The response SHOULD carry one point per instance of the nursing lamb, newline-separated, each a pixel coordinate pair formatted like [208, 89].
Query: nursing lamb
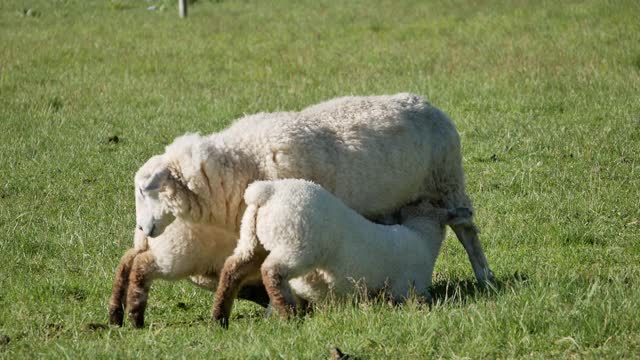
[293, 228]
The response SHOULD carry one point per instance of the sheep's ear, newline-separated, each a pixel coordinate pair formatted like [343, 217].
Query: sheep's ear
[157, 180]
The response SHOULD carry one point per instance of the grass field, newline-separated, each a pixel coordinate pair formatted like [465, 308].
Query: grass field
[545, 94]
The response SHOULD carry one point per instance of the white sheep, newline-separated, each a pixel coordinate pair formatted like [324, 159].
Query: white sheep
[293, 228]
[375, 153]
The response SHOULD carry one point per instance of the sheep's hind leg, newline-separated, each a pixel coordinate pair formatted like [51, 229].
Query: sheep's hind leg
[275, 277]
[468, 235]
[467, 232]
[143, 271]
[117, 302]
[236, 272]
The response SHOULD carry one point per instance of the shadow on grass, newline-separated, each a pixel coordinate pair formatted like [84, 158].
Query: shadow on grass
[459, 291]
[444, 292]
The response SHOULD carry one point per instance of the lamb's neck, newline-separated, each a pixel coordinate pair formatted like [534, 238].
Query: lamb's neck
[375, 240]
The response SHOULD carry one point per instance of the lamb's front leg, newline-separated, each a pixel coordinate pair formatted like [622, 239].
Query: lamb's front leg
[117, 302]
[237, 271]
[143, 271]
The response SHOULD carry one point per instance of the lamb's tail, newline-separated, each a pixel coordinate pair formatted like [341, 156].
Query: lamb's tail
[258, 193]
[248, 243]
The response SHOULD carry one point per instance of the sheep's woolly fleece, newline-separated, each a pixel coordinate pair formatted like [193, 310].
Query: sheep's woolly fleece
[374, 153]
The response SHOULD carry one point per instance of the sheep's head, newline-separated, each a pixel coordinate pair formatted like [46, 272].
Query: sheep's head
[176, 185]
[153, 215]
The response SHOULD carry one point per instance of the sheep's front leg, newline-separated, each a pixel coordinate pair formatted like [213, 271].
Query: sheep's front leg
[120, 284]
[143, 270]
[467, 233]
[275, 277]
[236, 272]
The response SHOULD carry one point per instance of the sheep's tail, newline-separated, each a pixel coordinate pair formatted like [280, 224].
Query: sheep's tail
[460, 215]
[258, 193]
[447, 216]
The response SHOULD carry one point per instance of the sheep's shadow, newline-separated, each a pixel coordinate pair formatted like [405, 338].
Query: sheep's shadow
[460, 290]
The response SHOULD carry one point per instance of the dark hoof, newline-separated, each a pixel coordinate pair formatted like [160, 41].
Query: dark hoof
[137, 319]
[221, 319]
[487, 282]
[224, 322]
[116, 317]
[267, 312]
[337, 354]
[427, 300]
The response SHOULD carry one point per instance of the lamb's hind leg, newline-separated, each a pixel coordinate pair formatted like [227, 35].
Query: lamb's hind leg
[143, 271]
[237, 271]
[275, 276]
[120, 284]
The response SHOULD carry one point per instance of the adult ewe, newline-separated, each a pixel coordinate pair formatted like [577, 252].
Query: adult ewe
[294, 229]
[375, 153]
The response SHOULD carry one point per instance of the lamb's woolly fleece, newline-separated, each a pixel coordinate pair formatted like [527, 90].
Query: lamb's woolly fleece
[307, 229]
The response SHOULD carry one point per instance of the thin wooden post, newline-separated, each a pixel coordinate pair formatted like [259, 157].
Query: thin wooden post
[182, 7]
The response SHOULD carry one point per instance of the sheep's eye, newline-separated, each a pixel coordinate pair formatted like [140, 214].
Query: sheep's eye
[140, 191]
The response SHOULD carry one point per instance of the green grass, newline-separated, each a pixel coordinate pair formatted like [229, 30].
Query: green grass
[546, 96]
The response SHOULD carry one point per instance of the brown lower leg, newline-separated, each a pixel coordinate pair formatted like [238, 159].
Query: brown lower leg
[279, 291]
[235, 272]
[142, 272]
[120, 285]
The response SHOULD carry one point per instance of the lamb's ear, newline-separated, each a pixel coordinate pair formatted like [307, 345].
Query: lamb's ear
[461, 215]
[157, 180]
